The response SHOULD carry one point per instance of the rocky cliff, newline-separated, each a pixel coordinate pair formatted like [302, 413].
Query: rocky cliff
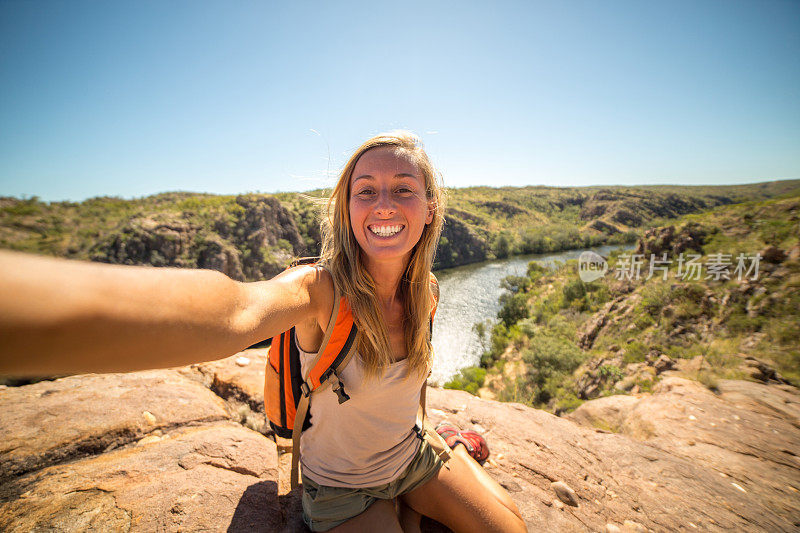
[254, 239]
[187, 449]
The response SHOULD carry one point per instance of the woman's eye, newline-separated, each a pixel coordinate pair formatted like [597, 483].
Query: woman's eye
[366, 192]
[404, 190]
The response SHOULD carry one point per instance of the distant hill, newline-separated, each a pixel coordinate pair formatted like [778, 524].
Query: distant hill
[254, 236]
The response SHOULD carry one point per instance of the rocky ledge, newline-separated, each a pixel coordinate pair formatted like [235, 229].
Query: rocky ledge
[187, 449]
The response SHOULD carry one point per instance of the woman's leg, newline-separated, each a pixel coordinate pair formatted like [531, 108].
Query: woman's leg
[380, 516]
[466, 498]
[409, 518]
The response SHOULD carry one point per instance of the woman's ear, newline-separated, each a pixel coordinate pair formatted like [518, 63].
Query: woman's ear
[431, 211]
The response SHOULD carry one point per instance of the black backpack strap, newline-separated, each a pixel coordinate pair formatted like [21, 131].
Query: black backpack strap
[304, 261]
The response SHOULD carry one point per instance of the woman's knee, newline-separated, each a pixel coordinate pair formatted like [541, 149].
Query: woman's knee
[465, 496]
[488, 481]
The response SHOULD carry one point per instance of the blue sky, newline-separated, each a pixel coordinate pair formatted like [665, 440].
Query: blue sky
[135, 98]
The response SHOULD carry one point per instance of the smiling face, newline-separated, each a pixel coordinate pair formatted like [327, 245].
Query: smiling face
[388, 205]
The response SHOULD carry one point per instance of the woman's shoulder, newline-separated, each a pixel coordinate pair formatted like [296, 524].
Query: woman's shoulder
[312, 289]
[312, 277]
[319, 283]
[311, 283]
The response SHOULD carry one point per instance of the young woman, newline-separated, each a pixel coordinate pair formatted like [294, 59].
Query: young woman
[359, 458]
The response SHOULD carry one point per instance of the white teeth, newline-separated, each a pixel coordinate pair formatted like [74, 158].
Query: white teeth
[385, 231]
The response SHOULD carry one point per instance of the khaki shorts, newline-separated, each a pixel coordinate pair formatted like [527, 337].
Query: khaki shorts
[327, 507]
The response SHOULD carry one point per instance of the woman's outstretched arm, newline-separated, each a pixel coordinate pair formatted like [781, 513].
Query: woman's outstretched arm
[65, 316]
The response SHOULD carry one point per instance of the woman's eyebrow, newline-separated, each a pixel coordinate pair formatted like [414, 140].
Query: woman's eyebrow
[396, 176]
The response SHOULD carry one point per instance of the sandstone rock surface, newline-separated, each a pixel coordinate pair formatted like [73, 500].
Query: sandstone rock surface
[195, 478]
[239, 380]
[53, 421]
[191, 466]
[748, 435]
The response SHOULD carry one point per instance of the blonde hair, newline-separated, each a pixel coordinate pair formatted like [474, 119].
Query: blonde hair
[341, 254]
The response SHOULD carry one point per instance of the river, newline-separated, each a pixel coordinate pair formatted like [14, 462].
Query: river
[470, 294]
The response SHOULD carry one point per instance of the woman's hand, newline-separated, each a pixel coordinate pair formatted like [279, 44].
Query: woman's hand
[64, 316]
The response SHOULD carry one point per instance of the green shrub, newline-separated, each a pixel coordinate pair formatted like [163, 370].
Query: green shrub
[515, 308]
[567, 402]
[774, 232]
[26, 207]
[783, 330]
[515, 284]
[738, 324]
[690, 292]
[574, 290]
[469, 379]
[549, 354]
[536, 270]
[550, 361]
[544, 309]
[285, 245]
[645, 385]
[643, 321]
[687, 309]
[655, 296]
[501, 337]
[634, 352]
[560, 325]
[611, 373]
[482, 330]
[501, 245]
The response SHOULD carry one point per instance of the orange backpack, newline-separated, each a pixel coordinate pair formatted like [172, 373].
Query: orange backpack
[287, 392]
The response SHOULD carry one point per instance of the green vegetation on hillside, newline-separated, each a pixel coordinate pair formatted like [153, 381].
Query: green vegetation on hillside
[537, 219]
[253, 236]
[248, 237]
[560, 340]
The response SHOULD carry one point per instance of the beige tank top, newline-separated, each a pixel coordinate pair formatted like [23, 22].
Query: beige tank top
[367, 440]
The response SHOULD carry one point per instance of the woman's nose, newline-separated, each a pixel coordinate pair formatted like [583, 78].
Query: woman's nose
[385, 205]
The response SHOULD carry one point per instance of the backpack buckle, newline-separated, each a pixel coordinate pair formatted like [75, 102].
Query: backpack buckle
[339, 390]
[418, 431]
[305, 388]
[338, 386]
